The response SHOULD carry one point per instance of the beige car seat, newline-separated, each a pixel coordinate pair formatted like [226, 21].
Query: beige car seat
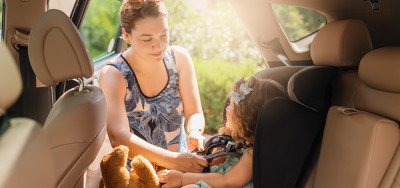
[25, 158]
[359, 143]
[339, 44]
[75, 126]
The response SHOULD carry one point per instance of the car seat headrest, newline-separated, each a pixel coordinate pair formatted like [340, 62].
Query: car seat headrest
[305, 89]
[379, 91]
[56, 49]
[10, 79]
[341, 43]
[379, 69]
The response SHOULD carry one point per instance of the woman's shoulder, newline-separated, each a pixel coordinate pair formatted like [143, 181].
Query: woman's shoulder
[179, 51]
[111, 75]
[182, 56]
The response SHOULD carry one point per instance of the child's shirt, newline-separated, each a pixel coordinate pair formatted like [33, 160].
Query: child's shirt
[230, 161]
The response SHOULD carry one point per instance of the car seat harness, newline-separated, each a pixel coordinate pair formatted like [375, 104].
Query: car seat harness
[228, 145]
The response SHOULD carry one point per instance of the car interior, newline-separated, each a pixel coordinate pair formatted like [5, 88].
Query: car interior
[338, 127]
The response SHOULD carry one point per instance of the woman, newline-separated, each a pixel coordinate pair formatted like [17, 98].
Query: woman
[151, 89]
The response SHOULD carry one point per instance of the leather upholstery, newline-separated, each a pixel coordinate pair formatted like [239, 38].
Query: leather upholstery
[57, 51]
[341, 44]
[379, 69]
[392, 176]
[25, 158]
[75, 126]
[76, 122]
[10, 82]
[358, 146]
[356, 150]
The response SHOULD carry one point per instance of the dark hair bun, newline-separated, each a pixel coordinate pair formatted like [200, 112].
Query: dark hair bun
[135, 4]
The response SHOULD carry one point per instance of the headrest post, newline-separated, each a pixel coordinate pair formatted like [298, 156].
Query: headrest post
[81, 88]
[81, 84]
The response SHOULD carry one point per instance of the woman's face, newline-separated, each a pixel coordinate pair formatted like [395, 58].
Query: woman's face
[149, 39]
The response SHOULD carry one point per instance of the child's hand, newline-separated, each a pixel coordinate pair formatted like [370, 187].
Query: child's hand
[171, 178]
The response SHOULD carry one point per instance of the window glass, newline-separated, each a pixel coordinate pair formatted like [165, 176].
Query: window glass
[100, 26]
[298, 22]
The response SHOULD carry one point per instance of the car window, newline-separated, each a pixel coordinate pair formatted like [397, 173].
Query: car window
[100, 26]
[298, 22]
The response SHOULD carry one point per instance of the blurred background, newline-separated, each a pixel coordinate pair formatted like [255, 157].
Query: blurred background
[210, 30]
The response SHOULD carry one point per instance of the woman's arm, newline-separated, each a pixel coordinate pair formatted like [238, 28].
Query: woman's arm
[239, 175]
[189, 92]
[113, 85]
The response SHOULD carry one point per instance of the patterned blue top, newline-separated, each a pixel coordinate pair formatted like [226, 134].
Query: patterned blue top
[159, 119]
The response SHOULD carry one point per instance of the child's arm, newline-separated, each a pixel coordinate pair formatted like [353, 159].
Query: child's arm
[239, 175]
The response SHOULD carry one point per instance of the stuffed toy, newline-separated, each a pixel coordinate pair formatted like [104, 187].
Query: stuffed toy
[115, 174]
[144, 174]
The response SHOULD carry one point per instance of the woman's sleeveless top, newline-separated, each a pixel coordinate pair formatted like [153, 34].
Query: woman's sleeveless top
[158, 120]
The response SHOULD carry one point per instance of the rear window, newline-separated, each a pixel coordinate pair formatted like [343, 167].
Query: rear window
[298, 22]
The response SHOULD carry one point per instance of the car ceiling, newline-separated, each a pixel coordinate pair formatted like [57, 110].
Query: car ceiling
[383, 24]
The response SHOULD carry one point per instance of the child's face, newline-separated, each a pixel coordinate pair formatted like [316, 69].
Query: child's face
[229, 115]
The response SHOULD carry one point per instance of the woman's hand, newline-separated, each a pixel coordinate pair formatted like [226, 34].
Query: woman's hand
[195, 140]
[171, 178]
[187, 162]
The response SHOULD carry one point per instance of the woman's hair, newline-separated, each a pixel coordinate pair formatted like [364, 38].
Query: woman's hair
[133, 10]
[246, 112]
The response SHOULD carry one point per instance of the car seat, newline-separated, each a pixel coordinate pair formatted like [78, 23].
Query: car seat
[75, 126]
[359, 143]
[25, 158]
[289, 130]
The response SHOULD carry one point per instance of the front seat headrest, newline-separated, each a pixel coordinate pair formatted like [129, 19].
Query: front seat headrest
[56, 49]
[10, 81]
[341, 43]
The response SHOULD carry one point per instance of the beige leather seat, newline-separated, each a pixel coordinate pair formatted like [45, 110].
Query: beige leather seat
[25, 159]
[75, 126]
[359, 143]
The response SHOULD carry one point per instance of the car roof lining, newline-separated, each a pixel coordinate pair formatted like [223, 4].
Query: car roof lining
[382, 24]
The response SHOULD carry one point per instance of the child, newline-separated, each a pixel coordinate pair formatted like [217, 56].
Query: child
[241, 119]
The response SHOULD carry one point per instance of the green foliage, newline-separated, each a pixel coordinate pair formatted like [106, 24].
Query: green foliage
[100, 25]
[215, 78]
[298, 22]
[221, 49]
[215, 32]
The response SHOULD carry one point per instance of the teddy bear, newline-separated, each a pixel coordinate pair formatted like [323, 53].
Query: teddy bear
[115, 174]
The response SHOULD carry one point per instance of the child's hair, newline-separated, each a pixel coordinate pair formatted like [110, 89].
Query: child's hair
[246, 112]
[133, 10]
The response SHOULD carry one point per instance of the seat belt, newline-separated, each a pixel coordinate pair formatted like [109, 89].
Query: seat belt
[34, 102]
[277, 48]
